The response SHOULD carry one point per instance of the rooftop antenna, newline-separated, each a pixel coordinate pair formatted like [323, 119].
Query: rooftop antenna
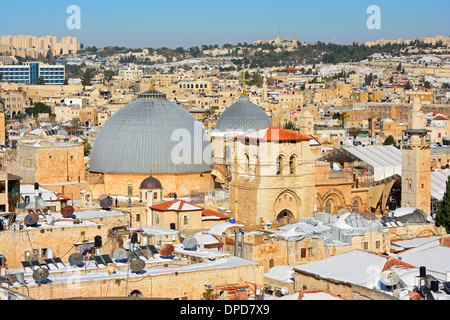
[284, 32]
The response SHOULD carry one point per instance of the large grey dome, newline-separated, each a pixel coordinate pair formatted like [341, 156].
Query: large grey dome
[148, 136]
[242, 116]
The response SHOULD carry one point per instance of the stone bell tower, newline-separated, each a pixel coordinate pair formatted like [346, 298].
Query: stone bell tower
[416, 172]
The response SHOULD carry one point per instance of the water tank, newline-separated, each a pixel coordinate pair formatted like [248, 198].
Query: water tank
[98, 242]
[134, 237]
[434, 286]
[422, 272]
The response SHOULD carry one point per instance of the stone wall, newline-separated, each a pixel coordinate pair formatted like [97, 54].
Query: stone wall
[174, 285]
[14, 243]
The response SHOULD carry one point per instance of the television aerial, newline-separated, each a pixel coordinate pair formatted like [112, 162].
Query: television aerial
[67, 211]
[190, 243]
[75, 259]
[40, 275]
[31, 219]
[389, 278]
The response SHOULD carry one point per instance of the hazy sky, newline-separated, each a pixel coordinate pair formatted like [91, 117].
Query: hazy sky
[175, 23]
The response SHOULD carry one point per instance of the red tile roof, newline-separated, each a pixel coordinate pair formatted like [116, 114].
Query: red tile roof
[209, 213]
[274, 134]
[176, 205]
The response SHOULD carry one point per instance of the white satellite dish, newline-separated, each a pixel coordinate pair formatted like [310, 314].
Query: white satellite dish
[120, 254]
[389, 278]
[190, 242]
[127, 244]
[284, 291]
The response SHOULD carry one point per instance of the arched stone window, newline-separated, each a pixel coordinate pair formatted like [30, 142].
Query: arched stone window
[355, 206]
[329, 206]
[271, 263]
[292, 164]
[280, 164]
[247, 163]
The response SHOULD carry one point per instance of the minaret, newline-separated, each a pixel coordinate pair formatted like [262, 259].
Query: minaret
[264, 90]
[416, 172]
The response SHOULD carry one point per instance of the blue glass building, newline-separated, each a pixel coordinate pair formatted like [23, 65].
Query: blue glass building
[30, 72]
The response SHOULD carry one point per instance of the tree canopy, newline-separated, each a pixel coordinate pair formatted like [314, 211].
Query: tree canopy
[443, 214]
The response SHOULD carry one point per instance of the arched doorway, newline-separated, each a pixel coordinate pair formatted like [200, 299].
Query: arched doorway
[285, 216]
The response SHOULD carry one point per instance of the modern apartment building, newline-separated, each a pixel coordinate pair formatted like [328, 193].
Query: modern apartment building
[30, 72]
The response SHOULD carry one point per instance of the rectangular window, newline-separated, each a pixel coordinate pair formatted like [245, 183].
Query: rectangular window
[2, 186]
[366, 245]
[303, 253]
[377, 244]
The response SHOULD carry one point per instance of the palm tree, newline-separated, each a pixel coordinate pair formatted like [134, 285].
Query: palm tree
[210, 112]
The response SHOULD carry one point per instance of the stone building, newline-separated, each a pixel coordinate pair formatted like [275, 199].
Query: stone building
[273, 176]
[46, 162]
[416, 176]
[150, 136]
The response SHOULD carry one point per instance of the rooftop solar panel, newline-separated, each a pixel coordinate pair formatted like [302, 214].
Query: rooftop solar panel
[26, 264]
[107, 258]
[35, 263]
[98, 260]
[152, 249]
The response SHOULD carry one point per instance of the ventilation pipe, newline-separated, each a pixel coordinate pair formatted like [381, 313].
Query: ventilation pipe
[236, 240]
[36, 195]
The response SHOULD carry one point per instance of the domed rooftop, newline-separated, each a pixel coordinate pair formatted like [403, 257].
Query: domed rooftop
[150, 136]
[150, 183]
[242, 116]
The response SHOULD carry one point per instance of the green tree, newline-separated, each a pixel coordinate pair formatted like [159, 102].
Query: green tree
[210, 112]
[390, 141]
[341, 116]
[38, 108]
[87, 148]
[443, 214]
[41, 81]
[289, 125]
[86, 78]
[109, 74]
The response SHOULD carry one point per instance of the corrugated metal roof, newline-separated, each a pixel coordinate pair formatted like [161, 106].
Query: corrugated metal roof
[439, 183]
[150, 136]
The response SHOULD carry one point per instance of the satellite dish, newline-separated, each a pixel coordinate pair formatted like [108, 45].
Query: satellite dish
[67, 211]
[40, 274]
[31, 219]
[284, 291]
[127, 244]
[75, 259]
[120, 254]
[389, 278]
[189, 242]
[137, 265]
[106, 203]
[167, 250]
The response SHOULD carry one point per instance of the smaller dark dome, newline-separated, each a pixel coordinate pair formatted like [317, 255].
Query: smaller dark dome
[150, 183]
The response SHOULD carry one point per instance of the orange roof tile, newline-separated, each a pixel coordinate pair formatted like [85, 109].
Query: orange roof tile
[274, 134]
[176, 205]
[209, 213]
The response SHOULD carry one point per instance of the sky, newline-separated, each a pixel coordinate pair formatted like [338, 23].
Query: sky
[176, 23]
